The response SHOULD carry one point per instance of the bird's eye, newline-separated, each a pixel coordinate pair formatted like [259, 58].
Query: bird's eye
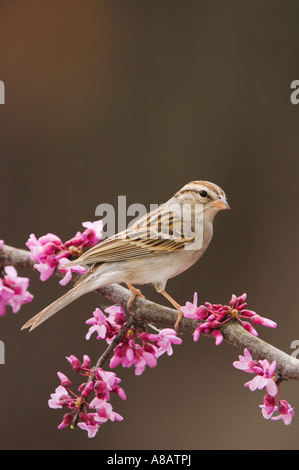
[203, 193]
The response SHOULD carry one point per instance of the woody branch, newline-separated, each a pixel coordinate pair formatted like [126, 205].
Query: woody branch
[147, 312]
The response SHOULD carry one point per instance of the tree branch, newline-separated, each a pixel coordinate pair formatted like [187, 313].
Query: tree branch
[147, 312]
[10, 256]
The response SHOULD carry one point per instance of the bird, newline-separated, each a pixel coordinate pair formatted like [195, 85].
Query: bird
[158, 246]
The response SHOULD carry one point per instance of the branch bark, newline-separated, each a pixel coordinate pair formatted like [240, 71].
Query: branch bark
[147, 312]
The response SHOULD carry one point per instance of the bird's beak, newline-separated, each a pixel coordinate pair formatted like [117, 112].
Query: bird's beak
[221, 203]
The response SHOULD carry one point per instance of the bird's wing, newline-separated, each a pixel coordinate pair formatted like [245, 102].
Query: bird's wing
[158, 232]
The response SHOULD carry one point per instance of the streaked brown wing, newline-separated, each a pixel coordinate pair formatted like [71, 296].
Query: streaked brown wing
[139, 240]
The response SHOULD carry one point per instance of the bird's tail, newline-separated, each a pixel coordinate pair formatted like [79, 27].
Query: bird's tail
[93, 279]
[54, 307]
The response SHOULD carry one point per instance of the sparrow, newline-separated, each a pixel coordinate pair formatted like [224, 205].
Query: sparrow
[158, 246]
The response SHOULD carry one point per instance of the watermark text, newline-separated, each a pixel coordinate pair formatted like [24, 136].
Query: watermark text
[2, 353]
[295, 94]
[179, 223]
[2, 92]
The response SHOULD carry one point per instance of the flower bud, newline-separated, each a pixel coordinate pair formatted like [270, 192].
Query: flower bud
[65, 382]
[87, 389]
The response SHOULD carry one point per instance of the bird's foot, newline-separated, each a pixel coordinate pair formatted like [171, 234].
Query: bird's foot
[134, 293]
[177, 306]
[178, 320]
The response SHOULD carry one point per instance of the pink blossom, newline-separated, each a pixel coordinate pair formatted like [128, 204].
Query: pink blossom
[87, 389]
[49, 250]
[43, 250]
[77, 365]
[268, 379]
[129, 352]
[191, 310]
[93, 231]
[265, 377]
[247, 326]
[99, 382]
[239, 304]
[13, 290]
[259, 382]
[90, 237]
[86, 362]
[1, 243]
[245, 362]
[106, 327]
[69, 270]
[104, 411]
[269, 406]
[218, 336]
[163, 340]
[106, 383]
[213, 316]
[99, 324]
[283, 407]
[258, 320]
[286, 412]
[67, 420]
[116, 315]
[44, 246]
[144, 356]
[89, 423]
[123, 354]
[65, 381]
[109, 378]
[60, 398]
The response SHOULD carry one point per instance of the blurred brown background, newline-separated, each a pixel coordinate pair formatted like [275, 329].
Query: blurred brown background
[136, 98]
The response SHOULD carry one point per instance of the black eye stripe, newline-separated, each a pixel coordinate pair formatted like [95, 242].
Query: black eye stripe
[202, 193]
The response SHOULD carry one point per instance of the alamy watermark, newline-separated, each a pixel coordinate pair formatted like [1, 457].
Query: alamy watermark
[2, 353]
[295, 345]
[2, 92]
[295, 94]
[182, 223]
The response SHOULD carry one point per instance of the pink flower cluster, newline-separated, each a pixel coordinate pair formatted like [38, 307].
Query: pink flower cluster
[213, 316]
[265, 378]
[13, 290]
[102, 385]
[50, 252]
[138, 348]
